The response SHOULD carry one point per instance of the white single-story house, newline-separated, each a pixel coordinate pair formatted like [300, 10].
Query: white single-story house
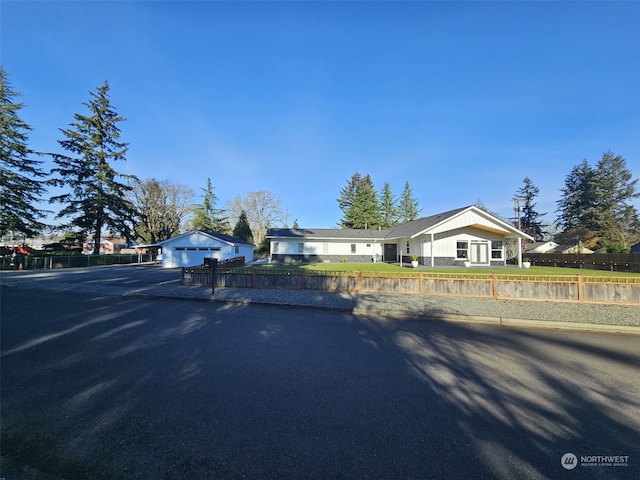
[191, 248]
[540, 247]
[446, 239]
[566, 249]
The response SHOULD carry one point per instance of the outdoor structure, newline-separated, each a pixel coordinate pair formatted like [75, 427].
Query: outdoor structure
[540, 247]
[191, 248]
[567, 249]
[467, 234]
[108, 245]
[635, 248]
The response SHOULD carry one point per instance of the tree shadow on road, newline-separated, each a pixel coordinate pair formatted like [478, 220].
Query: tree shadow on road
[120, 388]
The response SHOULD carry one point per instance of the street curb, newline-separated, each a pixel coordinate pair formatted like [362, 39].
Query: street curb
[497, 321]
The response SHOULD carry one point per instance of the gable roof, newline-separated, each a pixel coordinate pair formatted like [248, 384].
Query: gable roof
[214, 236]
[409, 229]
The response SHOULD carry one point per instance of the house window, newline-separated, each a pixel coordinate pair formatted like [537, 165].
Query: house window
[407, 247]
[496, 249]
[237, 249]
[325, 248]
[353, 248]
[275, 247]
[300, 247]
[462, 250]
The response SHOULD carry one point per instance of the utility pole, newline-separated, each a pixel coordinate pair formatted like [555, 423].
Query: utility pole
[516, 210]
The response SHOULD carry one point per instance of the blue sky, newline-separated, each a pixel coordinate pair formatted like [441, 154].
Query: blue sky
[462, 99]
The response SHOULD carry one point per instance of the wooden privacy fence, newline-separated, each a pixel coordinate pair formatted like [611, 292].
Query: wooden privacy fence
[614, 262]
[569, 288]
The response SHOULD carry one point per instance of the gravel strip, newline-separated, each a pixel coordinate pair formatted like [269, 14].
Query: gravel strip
[382, 304]
[412, 305]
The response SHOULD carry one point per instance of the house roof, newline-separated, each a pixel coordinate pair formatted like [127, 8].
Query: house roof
[404, 230]
[327, 233]
[218, 236]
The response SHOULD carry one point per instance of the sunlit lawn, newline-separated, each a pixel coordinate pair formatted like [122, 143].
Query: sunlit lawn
[394, 268]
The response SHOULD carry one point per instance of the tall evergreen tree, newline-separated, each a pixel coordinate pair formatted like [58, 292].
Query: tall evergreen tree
[242, 229]
[98, 199]
[409, 208]
[577, 204]
[616, 219]
[345, 201]
[599, 200]
[388, 207]
[365, 209]
[530, 220]
[207, 217]
[20, 184]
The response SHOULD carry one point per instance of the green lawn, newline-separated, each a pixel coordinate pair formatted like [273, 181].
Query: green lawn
[385, 267]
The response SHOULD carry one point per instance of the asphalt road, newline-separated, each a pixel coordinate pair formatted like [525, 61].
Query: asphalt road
[115, 388]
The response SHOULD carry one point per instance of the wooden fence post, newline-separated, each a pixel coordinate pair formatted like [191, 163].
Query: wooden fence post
[358, 282]
[495, 286]
[580, 289]
[420, 284]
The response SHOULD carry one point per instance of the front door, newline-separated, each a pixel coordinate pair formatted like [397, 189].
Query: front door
[479, 253]
[390, 252]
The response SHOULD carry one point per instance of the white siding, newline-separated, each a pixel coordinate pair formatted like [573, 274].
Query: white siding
[324, 247]
[191, 250]
[466, 219]
[445, 244]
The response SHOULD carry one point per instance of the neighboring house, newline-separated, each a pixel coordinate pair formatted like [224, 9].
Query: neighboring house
[540, 247]
[635, 248]
[581, 249]
[108, 245]
[191, 248]
[446, 239]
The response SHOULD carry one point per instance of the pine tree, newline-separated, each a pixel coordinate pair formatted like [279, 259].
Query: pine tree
[98, 199]
[345, 201]
[409, 207]
[242, 229]
[207, 217]
[577, 205]
[365, 210]
[530, 220]
[20, 187]
[388, 207]
[599, 200]
[615, 217]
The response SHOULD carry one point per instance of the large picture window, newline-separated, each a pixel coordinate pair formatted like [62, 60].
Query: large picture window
[496, 249]
[462, 250]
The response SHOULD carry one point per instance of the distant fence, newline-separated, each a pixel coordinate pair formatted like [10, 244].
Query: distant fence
[564, 288]
[613, 262]
[33, 262]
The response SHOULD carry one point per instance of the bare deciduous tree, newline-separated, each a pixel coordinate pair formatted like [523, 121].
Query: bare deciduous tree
[263, 210]
[162, 209]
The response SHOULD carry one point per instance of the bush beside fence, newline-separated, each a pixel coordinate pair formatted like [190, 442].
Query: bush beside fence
[565, 288]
